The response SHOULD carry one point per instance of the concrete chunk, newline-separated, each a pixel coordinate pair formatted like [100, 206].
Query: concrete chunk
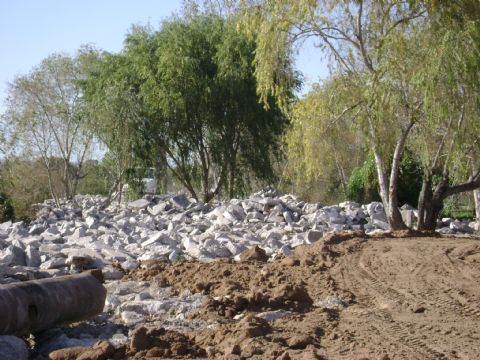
[138, 204]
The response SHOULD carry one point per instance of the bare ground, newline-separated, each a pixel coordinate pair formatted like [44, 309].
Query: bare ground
[349, 297]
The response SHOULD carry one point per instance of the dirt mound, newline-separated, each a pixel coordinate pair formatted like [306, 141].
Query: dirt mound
[100, 351]
[254, 254]
[345, 296]
[161, 343]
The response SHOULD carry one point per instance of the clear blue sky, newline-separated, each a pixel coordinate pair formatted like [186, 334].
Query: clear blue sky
[30, 30]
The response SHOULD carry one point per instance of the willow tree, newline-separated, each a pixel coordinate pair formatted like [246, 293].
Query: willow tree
[114, 112]
[379, 47]
[193, 81]
[323, 146]
[360, 37]
[450, 86]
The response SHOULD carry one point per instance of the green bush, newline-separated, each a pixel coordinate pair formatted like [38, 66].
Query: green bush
[410, 180]
[363, 182]
[96, 180]
[6, 209]
[23, 183]
[459, 206]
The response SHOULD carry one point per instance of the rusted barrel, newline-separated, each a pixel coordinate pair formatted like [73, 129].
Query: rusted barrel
[32, 306]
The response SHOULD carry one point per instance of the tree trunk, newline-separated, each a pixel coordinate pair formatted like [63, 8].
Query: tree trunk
[476, 195]
[476, 198]
[382, 181]
[120, 191]
[231, 185]
[393, 213]
[111, 192]
[66, 179]
[433, 204]
[389, 198]
[207, 196]
[50, 187]
[76, 179]
[424, 201]
[394, 216]
[46, 162]
[389, 194]
[432, 214]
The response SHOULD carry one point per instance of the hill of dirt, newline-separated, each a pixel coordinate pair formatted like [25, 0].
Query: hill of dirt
[347, 296]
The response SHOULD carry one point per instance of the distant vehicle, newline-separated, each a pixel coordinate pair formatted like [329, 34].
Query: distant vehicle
[148, 180]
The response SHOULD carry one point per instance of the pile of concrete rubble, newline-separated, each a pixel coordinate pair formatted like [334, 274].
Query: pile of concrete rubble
[80, 235]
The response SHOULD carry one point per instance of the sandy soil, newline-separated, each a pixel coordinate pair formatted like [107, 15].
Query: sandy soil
[344, 297]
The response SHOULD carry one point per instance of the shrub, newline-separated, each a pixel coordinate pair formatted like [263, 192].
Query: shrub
[6, 209]
[363, 182]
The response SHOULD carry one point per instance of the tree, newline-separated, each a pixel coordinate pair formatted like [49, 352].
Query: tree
[96, 179]
[320, 121]
[45, 116]
[449, 84]
[375, 45]
[197, 106]
[324, 142]
[114, 108]
[22, 189]
[361, 37]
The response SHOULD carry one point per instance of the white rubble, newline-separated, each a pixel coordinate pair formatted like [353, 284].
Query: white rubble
[274, 315]
[123, 237]
[81, 235]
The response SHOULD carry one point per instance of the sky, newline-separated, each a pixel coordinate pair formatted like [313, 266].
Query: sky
[30, 30]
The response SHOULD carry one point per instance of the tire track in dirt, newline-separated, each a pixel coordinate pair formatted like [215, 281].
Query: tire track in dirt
[455, 266]
[396, 331]
[441, 296]
[450, 303]
[416, 298]
[364, 286]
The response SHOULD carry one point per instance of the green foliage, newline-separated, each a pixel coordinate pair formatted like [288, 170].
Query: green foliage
[95, 180]
[110, 93]
[134, 178]
[186, 99]
[459, 206]
[363, 182]
[21, 189]
[412, 67]
[45, 119]
[7, 211]
[323, 143]
[410, 179]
